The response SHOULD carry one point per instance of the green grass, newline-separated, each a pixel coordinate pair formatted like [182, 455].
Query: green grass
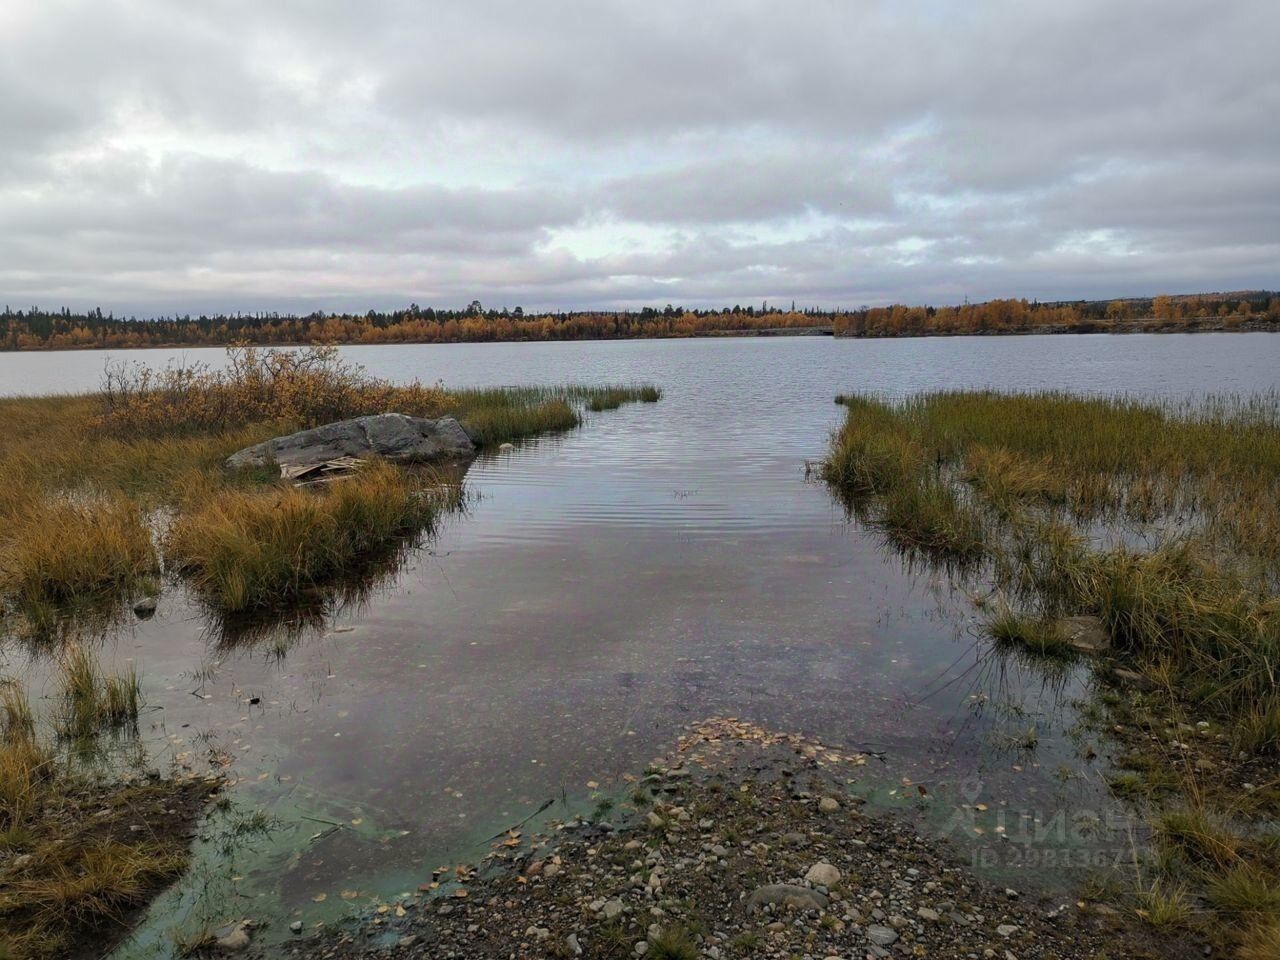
[92, 701]
[1038, 636]
[1165, 906]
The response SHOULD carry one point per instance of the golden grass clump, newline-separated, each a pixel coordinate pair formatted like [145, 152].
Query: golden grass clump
[83, 477]
[62, 548]
[246, 549]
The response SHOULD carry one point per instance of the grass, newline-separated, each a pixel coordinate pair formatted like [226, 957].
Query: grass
[91, 701]
[1040, 637]
[92, 486]
[57, 550]
[1161, 521]
[610, 398]
[673, 943]
[1053, 492]
[247, 549]
[74, 865]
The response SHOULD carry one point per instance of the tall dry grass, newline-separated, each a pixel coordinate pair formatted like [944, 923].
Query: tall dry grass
[245, 549]
[85, 481]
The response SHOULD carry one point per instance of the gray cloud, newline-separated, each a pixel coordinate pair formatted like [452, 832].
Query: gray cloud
[237, 155]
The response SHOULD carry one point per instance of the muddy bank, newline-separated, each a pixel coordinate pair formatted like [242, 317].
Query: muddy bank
[741, 843]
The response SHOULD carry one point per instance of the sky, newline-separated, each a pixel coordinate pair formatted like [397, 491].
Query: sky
[162, 156]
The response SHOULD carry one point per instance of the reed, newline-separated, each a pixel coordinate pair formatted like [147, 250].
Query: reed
[92, 701]
[85, 479]
[247, 549]
[19, 723]
[1161, 520]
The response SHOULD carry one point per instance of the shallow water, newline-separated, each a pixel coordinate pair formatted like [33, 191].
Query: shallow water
[605, 588]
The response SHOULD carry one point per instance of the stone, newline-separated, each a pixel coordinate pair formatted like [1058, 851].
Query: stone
[924, 913]
[391, 436]
[1006, 929]
[881, 936]
[823, 874]
[828, 805]
[145, 608]
[786, 895]
[611, 909]
[233, 938]
[574, 946]
[1085, 634]
[295, 927]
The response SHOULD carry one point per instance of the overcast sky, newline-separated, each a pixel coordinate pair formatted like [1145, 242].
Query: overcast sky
[163, 155]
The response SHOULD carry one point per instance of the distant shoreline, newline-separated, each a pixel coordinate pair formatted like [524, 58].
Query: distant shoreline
[1206, 325]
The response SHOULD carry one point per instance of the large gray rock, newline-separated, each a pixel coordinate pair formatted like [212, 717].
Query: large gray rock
[392, 436]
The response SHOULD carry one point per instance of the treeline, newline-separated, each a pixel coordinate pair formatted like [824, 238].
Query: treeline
[1163, 313]
[36, 329]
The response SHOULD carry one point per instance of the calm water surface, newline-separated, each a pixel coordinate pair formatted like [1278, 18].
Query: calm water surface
[660, 565]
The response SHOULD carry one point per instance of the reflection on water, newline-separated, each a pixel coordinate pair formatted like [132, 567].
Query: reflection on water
[662, 564]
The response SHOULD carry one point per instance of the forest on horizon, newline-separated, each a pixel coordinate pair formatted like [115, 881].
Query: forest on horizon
[37, 329]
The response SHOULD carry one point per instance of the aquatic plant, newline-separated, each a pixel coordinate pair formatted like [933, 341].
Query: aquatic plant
[92, 701]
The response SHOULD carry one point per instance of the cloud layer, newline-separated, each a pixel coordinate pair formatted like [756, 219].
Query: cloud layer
[162, 157]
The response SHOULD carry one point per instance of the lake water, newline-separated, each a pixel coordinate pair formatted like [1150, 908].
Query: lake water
[662, 564]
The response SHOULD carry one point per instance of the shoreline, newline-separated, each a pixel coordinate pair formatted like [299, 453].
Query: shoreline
[1127, 328]
[741, 842]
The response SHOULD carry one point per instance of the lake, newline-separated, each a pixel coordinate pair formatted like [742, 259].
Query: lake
[660, 565]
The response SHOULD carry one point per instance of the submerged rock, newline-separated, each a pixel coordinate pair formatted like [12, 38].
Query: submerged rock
[1085, 634]
[392, 436]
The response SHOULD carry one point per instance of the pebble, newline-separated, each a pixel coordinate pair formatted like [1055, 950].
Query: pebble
[881, 936]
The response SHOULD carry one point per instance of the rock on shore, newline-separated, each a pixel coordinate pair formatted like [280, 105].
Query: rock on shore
[392, 436]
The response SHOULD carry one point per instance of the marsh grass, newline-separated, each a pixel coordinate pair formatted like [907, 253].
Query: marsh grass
[61, 548]
[1163, 521]
[248, 549]
[1106, 506]
[1038, 636]
[610, 398]
[92, 701]
[74, 861]
[89, 484]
